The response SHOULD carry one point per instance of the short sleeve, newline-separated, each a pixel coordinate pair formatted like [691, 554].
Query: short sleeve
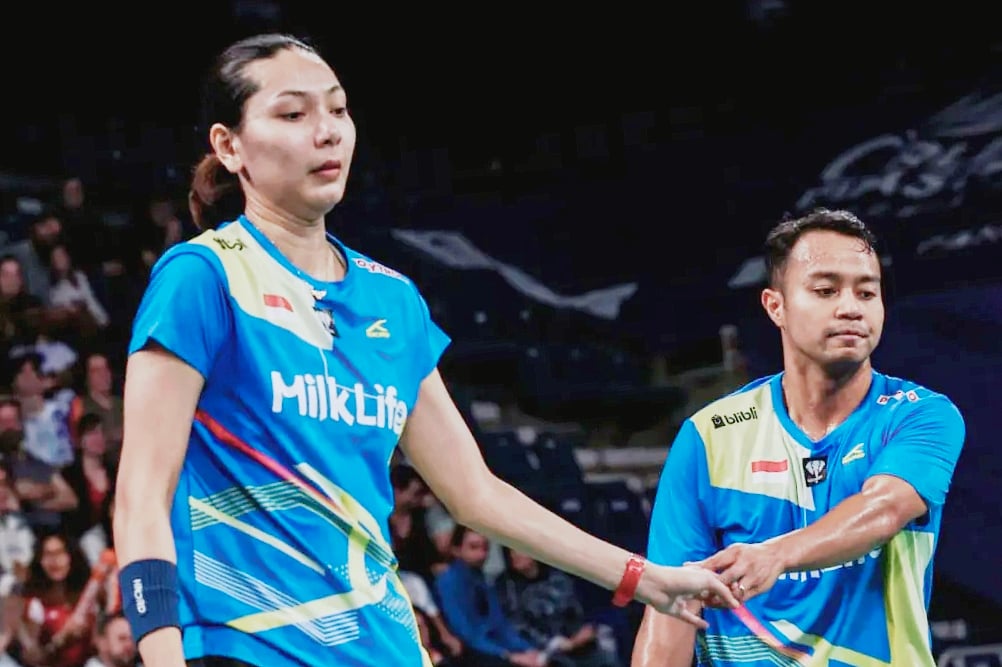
[185, 309]
[431, 343]
[680, 528]
[924, 448]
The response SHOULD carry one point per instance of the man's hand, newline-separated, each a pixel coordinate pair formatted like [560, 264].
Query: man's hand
[749, 569]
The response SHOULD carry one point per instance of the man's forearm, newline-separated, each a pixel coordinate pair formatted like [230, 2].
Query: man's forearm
[855, 527]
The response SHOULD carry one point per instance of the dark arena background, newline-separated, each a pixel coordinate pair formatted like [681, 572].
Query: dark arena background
[582, 199]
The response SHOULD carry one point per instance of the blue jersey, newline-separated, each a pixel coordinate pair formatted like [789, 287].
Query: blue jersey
[740, 471]
[281, 511]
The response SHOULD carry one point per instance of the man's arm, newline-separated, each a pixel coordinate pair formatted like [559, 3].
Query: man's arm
[911, 474]
[663, 641]
[853, 528]
[680, 531]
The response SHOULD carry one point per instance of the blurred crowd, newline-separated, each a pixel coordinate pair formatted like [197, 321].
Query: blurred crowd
[69, 286]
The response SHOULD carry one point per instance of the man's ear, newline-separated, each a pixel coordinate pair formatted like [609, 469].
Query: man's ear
[772, 302]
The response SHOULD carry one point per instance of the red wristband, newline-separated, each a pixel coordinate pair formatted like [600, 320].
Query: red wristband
[628, 584]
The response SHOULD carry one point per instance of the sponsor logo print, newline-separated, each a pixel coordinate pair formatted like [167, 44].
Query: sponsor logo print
[322, 398]
[376, 267]
[137, 595]
[720, 421]
[229, 245]
[912, 396]
[816, 574]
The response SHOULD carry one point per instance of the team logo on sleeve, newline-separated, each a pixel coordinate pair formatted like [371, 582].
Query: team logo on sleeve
[815, 470]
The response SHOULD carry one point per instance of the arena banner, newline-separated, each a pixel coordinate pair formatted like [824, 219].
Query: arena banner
[454, 250]
[931, 191]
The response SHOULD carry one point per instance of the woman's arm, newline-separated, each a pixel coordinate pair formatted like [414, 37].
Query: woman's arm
[161, 393]
[438, 442]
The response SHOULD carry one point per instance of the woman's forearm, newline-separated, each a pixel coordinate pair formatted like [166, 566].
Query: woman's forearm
[143, 533]
[505, 514]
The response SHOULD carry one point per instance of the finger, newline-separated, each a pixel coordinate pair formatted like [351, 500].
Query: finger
[693, 619]
[722, 591]
[720, 560]
[733, 573]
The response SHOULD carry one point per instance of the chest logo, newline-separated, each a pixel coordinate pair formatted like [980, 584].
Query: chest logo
[854, 454]
[377, 330]
[815, 470]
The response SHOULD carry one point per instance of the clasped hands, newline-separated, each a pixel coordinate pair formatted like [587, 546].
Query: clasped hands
[748, 569]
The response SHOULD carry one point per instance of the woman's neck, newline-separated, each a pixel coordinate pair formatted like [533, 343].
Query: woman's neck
[302, 242]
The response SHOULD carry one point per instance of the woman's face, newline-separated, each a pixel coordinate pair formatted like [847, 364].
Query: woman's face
[60, 259]
[55, 559]
[294, 147]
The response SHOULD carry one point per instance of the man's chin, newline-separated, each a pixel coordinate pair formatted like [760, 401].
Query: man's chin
[846, 362]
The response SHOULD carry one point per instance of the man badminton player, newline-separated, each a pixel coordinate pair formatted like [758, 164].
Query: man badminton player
[816, 493]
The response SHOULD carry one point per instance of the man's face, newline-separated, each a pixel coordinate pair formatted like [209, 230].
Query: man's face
[473, 550]
[116, 646]
[827, 302]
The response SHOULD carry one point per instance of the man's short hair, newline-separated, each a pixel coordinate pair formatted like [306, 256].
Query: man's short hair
[781, 239]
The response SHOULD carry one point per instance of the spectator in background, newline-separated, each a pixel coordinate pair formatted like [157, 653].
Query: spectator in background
[41, 490]
[21, 313]
[114, 643]
[440, 525]
[70, 288]
[413, 547]
[91, 477]
[473, 611]
[63, 598]
[85, 232]
[162, 230]
[98, 398]
[423, 601]
[46, 431]
[542, 605]
[17, 541]
[430, 641]
[33, 254]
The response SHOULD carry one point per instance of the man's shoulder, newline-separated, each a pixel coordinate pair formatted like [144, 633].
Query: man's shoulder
[897, 394]
[749, 403]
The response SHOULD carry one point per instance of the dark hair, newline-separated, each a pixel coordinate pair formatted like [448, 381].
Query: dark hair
[10, 258]
[105, 620]
[16, 363]
[88, 423]
[784, 236]
[11, 401]
[224, 93]
[71, 276]
[38, 583]
[402, 475]
[459, 532]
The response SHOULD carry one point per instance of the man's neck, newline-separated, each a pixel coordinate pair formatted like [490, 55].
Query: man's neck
[819, 401]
